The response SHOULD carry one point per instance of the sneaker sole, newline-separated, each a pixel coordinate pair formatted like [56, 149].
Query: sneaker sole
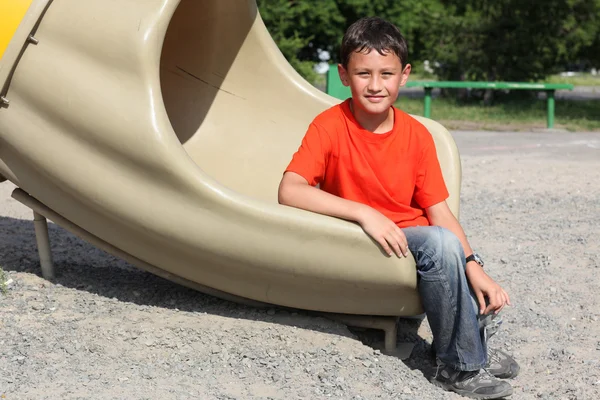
[472, 395]
[514, 371]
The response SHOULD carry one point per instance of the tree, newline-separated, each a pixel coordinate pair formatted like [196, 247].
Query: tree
[300, 28]
[510, 40]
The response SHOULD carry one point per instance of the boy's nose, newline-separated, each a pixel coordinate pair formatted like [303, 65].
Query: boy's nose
[375, 85]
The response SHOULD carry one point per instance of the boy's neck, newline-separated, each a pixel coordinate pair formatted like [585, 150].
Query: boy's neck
[375, 123]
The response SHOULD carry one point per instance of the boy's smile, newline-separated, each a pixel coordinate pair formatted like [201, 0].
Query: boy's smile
[374, 80]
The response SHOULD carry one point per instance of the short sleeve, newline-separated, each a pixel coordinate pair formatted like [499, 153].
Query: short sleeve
[430, 188]
[310, 161]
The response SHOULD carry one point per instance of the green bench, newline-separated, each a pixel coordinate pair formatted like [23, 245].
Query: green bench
[335, 88]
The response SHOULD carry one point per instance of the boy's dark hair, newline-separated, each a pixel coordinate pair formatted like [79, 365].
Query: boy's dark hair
[373, 33]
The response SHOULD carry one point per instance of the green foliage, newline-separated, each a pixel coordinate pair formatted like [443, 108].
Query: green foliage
[301, 27]
[510, 40]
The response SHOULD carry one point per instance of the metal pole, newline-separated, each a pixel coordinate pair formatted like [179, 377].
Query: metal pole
[427, 104]
[550, 101]
[43, 244]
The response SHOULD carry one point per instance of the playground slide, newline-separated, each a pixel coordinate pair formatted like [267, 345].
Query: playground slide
[159, 130]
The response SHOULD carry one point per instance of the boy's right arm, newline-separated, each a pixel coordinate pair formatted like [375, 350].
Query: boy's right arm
[295, 191]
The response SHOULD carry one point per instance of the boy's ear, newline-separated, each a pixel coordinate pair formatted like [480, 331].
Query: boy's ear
[343, 75]
[405, 74]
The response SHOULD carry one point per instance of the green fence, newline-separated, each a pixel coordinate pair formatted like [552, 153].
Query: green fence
[335, 88]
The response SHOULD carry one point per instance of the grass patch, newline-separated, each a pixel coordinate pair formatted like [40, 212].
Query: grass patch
[508, 113]
[582, 79]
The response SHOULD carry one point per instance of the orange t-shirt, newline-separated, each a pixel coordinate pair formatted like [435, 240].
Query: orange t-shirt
[397, 172]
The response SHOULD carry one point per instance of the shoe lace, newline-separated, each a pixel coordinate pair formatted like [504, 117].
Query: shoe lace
[482, 374]
[493, 356]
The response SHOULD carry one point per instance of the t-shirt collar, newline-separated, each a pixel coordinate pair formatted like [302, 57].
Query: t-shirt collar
[364, 133]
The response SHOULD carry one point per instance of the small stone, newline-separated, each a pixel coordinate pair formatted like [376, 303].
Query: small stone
[271, 312]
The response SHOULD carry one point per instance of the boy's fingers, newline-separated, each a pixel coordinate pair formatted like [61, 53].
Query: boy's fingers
[481, 301]
[399, 248]
[393, 241]
[396, 247]
[496, 302]
[402, 241]
[501, 303]
[383, 243]
[507, 297]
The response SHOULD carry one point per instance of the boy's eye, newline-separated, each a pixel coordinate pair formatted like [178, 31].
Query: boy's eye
[363, 73]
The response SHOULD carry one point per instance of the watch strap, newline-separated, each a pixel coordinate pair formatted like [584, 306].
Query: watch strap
[474, 257]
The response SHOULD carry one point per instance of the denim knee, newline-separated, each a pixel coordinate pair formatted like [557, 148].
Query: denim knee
[452, 247]
[441, 243]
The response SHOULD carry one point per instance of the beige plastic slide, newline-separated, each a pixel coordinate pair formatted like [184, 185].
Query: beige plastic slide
[159, 130]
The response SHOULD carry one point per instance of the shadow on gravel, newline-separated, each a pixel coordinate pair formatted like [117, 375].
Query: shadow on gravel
[81, 266]
[421, 358]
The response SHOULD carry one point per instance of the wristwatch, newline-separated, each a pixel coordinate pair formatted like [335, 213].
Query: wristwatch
[475, 257]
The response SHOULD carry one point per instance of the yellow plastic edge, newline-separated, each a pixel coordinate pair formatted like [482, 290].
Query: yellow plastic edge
[12, 13]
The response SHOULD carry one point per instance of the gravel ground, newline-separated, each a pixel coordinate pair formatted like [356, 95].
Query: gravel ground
[103, 329]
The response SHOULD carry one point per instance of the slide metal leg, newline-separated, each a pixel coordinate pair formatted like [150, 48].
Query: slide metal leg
[386, 324]
[43, 244]
[389, 325]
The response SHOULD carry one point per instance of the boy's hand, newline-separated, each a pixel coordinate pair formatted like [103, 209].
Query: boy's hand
[484, 286]
[384, 231]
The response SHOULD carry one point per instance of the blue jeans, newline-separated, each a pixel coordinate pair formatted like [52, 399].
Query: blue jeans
[459, 333]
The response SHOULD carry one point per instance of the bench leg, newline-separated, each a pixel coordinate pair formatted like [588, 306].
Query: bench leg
[427, 103]
[43, 244]
[550, 101]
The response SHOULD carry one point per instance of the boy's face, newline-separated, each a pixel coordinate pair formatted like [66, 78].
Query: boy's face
[374, 80]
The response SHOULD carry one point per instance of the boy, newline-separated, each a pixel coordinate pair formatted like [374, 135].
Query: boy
[378, 166]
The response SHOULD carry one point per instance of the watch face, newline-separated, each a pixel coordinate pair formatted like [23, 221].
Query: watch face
[478, 259]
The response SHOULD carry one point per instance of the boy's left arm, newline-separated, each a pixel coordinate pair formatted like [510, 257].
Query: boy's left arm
[483, 286]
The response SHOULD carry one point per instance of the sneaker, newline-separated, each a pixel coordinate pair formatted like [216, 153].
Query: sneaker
[473, 384]
[501, 365]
